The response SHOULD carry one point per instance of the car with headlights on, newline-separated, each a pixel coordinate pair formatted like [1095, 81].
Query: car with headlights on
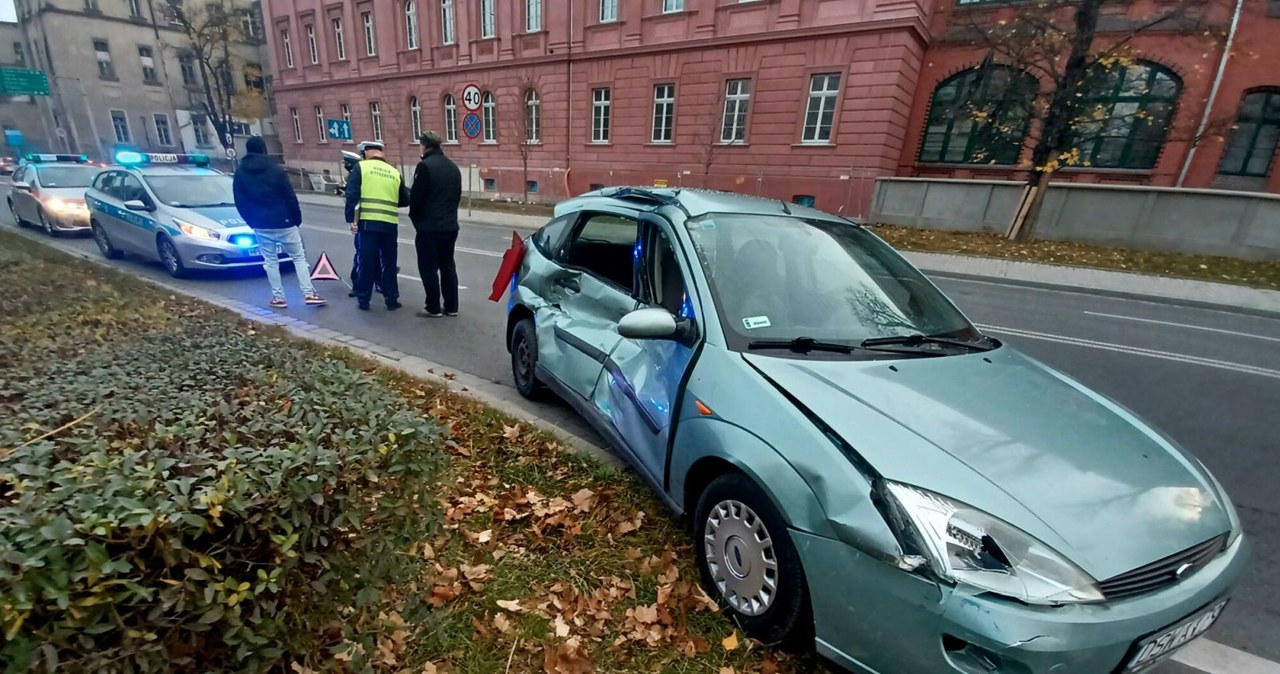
[48, 192]
[173, 209]
[862, 468]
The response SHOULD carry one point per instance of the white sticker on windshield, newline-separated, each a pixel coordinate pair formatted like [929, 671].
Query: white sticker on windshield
[756, 322]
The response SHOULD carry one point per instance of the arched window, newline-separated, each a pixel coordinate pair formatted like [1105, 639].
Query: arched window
[450, 119]
[411, 24]
[490, 106]
[979, 116]
[1257, 131]
[1124, 116]
[532, 117]
[415, 117]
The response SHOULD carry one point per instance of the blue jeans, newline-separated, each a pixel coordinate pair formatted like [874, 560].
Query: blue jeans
[290, 238]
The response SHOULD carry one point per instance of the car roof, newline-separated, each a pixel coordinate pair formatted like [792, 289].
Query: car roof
[694, 202]
[169, 170]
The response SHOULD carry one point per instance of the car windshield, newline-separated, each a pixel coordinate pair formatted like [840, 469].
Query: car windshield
[67, 176]
[784, 278]
[192, 191]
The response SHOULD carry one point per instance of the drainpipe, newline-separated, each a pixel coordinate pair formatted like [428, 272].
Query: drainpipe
[568, 135]
[1213, 93]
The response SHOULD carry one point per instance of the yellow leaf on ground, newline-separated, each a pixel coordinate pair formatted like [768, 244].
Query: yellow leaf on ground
[731, 642]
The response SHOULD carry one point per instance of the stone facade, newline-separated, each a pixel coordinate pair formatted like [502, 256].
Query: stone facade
[19, 113]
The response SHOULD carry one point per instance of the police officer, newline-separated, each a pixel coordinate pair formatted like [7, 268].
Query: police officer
[349, 162]
[378, 190]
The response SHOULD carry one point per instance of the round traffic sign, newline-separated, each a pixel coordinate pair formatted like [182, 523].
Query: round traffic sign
[61, 132]
[471, 97]
[471, 125]
[231, 153]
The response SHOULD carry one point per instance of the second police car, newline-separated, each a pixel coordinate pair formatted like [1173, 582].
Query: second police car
[48, 191]
[174, 209]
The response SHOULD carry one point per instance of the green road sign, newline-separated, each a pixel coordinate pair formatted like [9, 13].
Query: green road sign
[18, 82]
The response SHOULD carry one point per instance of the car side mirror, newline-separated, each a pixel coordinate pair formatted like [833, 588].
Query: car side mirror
[654, 323]
[23, 186]
[136, 205]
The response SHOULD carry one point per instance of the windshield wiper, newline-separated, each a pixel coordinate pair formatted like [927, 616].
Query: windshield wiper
[801, 345]
[918, 340]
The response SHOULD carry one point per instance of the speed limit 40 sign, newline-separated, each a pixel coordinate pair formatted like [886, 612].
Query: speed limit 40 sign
[471, 97]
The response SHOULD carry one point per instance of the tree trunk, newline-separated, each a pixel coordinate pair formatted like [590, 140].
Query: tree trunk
[1028, 213]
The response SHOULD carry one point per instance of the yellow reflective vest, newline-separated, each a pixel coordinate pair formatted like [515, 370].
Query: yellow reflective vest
[379, 191]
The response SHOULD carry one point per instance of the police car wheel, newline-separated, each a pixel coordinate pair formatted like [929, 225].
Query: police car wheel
[104, 243]
[170, 258]
[524, 360]
[47, 225]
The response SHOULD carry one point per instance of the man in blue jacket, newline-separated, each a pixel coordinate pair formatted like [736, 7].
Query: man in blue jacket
[266, 201]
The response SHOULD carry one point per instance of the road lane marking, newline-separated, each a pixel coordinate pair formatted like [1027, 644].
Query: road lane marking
[1137, 351]
[409, 242]
[415, 278]
[1183, 325]
[1213, 657]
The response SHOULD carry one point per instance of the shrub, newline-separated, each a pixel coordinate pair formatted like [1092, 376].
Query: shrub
[184, 495]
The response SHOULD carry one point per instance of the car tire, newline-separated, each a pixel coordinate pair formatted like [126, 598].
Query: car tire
[17, 219]
[744, 550]
[46, 225]
[524, 360]
[171, 258]
[105, 246]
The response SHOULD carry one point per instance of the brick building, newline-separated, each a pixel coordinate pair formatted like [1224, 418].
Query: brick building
[794, 99]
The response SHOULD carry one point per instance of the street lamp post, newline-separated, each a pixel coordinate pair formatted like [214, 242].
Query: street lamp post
[93, 125]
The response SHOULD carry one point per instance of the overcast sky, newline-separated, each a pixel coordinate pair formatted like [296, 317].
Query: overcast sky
[6, 11]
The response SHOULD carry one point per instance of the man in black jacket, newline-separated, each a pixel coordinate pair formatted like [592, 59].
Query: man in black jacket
[266, 201]
[433, 208]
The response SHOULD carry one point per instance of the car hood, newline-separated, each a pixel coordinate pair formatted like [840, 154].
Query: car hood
[1006, 434]
[212, 217]
[64, 193]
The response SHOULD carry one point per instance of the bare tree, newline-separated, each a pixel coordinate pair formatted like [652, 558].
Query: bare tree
[525, 127]
[1046, 59]
[711, 141]
[211, 31]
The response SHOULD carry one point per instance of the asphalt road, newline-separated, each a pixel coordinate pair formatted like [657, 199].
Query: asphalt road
[1209, 379]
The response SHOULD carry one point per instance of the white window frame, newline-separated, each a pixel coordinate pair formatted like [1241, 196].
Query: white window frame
[148, 63]
[489, 115]
[370, 35]
[448, 29]
[664, 107]
[601, 114]
[821, 101]
[346, 117]
[297, 125]
[411, 24]
[128, 132]
[450, 119]
[313, 49]
[135, 9]
[321, 128]
[168, 129]
[737, 105]
[415, 117]
[375, 114]
[532, 16]
[104, 57]
[339, 39]
[286, 45]
[532, 117]
[488, 19]
[608, 11]
[672, 6]
[200, 127]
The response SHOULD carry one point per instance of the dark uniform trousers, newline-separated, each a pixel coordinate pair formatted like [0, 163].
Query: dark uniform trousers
[378, 248]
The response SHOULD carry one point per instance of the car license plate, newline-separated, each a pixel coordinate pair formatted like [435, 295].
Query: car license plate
[1155, 648]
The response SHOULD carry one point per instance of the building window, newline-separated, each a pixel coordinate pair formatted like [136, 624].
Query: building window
[346, 117]
[669, 6]
[1252, 147]
[608, 11]
[532, 16]
[297, 125]
[1274, 9]
[91, 6]
[120, 124]
[19, 55]
[532, 186]
[322, 131]
[979, 116]
[370, 46]
[490, 111]
[313, 49]
[106, 69]
[253, 77]
[821, 111]
[415, 117]
[737, 98]
[532, 117]
[339, 40]
[488, 19]
[135, 9]
[491, 184]
[200, 126]
[287, 46]
[375, 113]
[664, 112]
[1123, 116]
[249, 21]
[446, 21]
[164, 134]
[600, 115]
[148, 64]
[450, 119]
[187, 66]
[411, 24]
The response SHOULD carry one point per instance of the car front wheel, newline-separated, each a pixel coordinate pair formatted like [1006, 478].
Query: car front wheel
[104, 243]
[749, 564]
[170, 258]
[17, 219]
[47, 225]
[524, 359]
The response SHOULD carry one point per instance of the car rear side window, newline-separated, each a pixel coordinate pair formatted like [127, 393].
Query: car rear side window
[130, 189]
[547, 240]
[107, 183]
[605, 246]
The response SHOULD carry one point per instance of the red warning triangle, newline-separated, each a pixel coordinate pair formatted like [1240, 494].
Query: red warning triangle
[323, 271]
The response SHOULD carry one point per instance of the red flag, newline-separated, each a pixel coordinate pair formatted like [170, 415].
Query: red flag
[511, 260]
[323, 271]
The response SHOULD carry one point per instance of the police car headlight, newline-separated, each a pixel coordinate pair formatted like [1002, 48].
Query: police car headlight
[196, 231]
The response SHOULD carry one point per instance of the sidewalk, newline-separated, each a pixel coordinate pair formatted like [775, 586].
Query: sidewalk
[1240, 299]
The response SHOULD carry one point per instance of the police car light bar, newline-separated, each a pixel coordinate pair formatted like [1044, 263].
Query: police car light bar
[131, 158]
[40, 158]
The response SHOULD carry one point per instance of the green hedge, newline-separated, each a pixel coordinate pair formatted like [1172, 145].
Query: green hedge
[214, 500]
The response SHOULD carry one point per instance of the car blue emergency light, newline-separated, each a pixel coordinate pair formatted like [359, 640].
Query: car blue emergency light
[132, 158]
[41, 158]
[243, 241]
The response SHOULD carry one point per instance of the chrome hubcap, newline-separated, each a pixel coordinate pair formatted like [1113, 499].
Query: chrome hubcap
[101, 237]
[48, 228]
[170, 256]
[740, 555]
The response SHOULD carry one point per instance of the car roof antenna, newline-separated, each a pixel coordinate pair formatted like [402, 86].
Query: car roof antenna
[785, 208]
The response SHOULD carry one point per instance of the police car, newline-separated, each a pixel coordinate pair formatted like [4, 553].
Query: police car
[174, 209]
[48, 191]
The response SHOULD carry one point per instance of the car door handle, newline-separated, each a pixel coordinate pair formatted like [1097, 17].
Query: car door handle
[569, 283]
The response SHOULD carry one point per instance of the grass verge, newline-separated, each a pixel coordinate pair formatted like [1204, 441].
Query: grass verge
[517, 556]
